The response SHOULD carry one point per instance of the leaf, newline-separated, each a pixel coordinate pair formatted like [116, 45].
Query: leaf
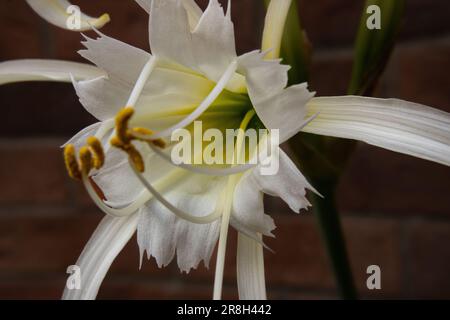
[373, 47]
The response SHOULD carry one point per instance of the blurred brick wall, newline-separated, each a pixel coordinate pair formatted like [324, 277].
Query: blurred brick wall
[395, 209]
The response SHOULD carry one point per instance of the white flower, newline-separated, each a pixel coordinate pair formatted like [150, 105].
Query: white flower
[194, 73]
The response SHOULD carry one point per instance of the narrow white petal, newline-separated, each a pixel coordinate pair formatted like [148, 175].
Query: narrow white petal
[250, 269]
[274, 27]
[46, 70]
[108, 240]
[393, 124]
[56, 12]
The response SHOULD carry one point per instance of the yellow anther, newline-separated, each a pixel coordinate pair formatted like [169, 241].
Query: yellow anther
[125, 136]
[122, 119]
[86, 161]
[132, 152]
[96, 149]
[157, 142]
[71, 162]
[140, 130]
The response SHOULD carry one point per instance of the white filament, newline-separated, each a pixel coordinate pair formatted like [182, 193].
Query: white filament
[141, 81]
[143, 197]
[206, 103]
[213, 216]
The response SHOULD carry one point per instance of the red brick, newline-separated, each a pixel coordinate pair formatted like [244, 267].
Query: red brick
[422, 73]
[330, 23]
[300, 260]
[379, 181]
[330, 73]
[32, 172]
[26, 287]
[373, 241]
[36, 243]
[23, 35]
[428, 260]
[57, 241]
[42, 109]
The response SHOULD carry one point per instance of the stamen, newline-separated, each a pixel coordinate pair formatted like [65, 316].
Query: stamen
[141, 81]
[144, 131]
[96, 149]
[125, 136]
[122, 119]
[134, 155]
[90, 156]
[229, 194]
[71, 162]
[86, 161]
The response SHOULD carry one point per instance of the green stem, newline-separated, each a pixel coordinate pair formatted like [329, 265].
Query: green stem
[327, 216]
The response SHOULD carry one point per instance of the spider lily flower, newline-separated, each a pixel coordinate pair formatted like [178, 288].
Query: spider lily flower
[58, 13]
[193, 74]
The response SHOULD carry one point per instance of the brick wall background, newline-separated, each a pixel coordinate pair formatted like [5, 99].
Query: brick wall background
[395, 209]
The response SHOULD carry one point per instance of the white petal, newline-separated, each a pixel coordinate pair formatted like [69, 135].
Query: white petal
[108, 240]
[213, 41]
[289, 184]
[102, 97]
[248, 208]
[121, 61]
[277, 107]
[285, 111]
[250, 269]
[265, 78]
[193, 10]
[168, 89]
[46, 70]
[161, 233]
[56, 12]
[170, 36]
[145, 4]
[80, 138]
[117, 180]
[393, 124]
